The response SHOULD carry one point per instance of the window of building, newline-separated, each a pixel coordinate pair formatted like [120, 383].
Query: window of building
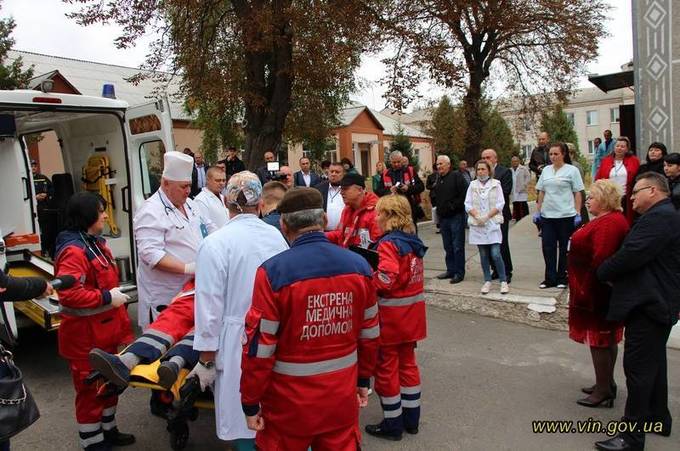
[526, 151]
[591, 147]
[570, 118]
[614, 115]
[591, 117]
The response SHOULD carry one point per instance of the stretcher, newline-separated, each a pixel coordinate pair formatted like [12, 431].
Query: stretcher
[97, 178]
[178, 406]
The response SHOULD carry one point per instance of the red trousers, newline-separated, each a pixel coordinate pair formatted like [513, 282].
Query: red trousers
[345, 439]
[397, 382]
[94, 415]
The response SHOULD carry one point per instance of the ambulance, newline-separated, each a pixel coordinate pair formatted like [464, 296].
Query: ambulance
[105, 146]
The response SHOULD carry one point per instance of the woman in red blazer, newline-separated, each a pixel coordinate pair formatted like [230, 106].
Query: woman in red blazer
[621, 166]
[588, 297]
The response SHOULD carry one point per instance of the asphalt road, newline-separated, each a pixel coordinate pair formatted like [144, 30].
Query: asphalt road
[484, 381]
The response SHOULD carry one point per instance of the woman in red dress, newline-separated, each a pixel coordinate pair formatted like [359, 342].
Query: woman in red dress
[589, 298]
[621, 166]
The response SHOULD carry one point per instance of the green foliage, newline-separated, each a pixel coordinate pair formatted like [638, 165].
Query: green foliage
[12, 76]
[497, 135]
[402, 143]
[220, 128]
[558, 126]
[445, 128]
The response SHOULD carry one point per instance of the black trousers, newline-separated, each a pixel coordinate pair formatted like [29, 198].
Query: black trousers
[644, 363]
[505, 250]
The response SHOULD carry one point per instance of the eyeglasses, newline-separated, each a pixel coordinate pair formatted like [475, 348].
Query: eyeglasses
[635, 191]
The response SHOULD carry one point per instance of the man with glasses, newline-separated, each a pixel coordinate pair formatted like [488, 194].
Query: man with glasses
[645, 276]
[167, 229]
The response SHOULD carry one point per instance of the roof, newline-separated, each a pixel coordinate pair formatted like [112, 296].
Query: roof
[35, 82]
[609, 82]
[388, 124]
[88, 77]
[26, 96]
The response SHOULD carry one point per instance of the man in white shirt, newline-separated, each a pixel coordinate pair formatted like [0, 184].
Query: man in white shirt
[227, 263]
[520, 182]
[167, 229]
[332, 199]
[210, 200]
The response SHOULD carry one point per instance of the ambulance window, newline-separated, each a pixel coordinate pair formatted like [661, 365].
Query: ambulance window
[151, 161]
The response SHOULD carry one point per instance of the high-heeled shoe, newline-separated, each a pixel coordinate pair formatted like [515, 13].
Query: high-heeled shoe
[591, 389]
[607, 401]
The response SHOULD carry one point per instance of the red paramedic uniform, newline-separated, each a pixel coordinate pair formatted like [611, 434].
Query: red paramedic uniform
[399, 284]
[312, 338]
[89, 321]
[357, 227]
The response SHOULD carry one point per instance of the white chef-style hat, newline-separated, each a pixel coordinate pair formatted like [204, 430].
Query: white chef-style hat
[177, 167]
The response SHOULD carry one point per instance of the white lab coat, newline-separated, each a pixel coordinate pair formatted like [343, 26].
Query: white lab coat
[212, 206]
[225, 274]
[162, 229]
[479, 196]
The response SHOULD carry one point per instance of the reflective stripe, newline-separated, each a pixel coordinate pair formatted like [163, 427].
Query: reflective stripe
[151, 342]
[268, 326]
[109, 411]
[410, 403]
[265, 351]
[400, 302]
[372, 332]
[415, 390]
[85, 311]
[392, 413]
[85, 442]
[314, 368]
[159, 334]
[88, 427]
[371, 312]
[186, 342]
[186, 293]
[387, 400]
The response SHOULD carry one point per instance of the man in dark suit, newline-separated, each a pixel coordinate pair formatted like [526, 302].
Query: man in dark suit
[645, 276]
[330, 192]
[198, 174]
[503, 175]
[305, 177]
[539, 156]
[232, 163]
[264, 174]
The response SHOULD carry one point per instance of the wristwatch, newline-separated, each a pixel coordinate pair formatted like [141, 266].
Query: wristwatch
[209, 364]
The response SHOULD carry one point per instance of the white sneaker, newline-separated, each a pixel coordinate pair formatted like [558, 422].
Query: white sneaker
[486, 288]
[505, 289]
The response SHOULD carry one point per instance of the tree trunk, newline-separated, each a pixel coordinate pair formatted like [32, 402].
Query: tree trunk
[474, 124]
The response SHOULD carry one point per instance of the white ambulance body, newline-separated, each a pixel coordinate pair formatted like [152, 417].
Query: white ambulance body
[134, 140]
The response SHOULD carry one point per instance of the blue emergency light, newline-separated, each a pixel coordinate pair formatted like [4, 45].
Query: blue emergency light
[109, 91]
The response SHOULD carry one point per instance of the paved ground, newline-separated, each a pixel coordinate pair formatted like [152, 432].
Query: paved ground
[484, 381]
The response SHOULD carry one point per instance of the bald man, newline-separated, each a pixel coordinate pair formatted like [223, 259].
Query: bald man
[539, 156]
[262, 172]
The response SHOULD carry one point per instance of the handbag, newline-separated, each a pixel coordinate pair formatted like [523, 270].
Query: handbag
[17, 407]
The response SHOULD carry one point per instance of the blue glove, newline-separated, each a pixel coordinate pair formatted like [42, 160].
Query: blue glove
[536, 218]
[577, 220]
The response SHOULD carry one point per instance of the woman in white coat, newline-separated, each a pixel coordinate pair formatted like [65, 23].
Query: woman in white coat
[484, 205]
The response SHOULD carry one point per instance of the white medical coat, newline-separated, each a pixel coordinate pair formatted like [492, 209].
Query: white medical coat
[212, 206]
[162, 229]
[225, 274]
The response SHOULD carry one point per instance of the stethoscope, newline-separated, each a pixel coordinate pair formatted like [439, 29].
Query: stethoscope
[167, 208]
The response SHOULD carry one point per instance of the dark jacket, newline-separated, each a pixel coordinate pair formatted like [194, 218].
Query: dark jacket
[504, 175]
[263, 174]
[272, 218]
[675, 192]
[314, 179]
[415, 186]
[323, 189]
[645, 272]
[233, 166]
[195, 189]
[21, 288]
[450, 194]
[430, 182]
[539, 157]
[652, 166]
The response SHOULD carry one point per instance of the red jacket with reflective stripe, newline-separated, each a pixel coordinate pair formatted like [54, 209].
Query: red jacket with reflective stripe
[96, 274]
[357, 225]
[399, 284]
[177, 319]
[312, 337]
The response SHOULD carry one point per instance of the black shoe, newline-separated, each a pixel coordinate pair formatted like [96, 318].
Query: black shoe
[412, 431]
[377, 430]
[444, 275]
[617, 443]
[607, 401]
[117, 438]
[167, 374]
[456, 279]
[591, 389]
[546, 284]
[110, 366]
[99, 446]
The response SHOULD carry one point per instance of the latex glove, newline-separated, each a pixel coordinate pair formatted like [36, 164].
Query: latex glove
[48, 290]
[362, 396]
[255, 423]
[577, 220]
[536, 218]
[190, 268]
[118, 298]
[206, 376]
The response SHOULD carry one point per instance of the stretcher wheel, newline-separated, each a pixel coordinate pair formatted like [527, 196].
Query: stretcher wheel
[179, 435]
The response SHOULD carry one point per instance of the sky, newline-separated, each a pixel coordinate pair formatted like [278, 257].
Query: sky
[42, 27]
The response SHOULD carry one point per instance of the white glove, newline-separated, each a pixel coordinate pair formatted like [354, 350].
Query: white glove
[118, 298]
[206, 376]
[190, 268]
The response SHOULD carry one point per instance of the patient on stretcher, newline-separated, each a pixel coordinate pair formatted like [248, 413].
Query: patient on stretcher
[170, 338]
